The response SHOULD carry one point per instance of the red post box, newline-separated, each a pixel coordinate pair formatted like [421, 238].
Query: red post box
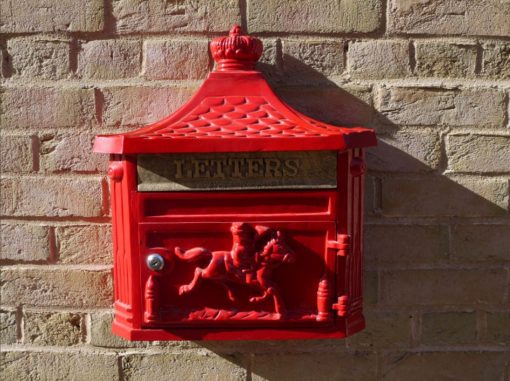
[237, 217]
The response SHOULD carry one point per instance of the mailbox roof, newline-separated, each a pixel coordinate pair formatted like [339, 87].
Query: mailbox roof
[235, 110]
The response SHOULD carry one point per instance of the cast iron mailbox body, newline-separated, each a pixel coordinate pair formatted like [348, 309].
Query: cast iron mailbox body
[237, 217]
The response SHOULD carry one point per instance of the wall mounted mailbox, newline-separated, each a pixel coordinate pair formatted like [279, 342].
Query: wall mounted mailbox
[237, 217]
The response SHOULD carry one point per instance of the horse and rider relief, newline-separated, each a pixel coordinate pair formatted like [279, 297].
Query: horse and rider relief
[254, 280]
[256, 252]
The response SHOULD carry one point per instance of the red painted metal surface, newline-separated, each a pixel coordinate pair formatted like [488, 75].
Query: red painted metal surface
[256, 252]
[230, 265]
[235, 110]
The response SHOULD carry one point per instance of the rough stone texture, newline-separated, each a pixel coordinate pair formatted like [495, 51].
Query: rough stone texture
[51, 16]
[480, 243]
[498, 327]
[468, 366]
[3, 61]
[406, 244]
[443, 287]
[38, 365]
[435, 106]
[479, 153]
[176, 59]
[262, 347]
[8, 327]
[371, 203]
[384, 330]
[271, 61]
[70, 152]
[36, 58]
[370, 288]
[379, 59]
[448, 328]
[25, 242]
[443, 196]
[496, 60]
[101, 333]
[311, 16]
[135, 106]
[109, 59]
[178, 16]
[54, 197]
[56, 286]
[47, 107]
[312, 60]
[84, 244]
[346, 106]
[192, 366]
[440, 59]
[349, 366]
[430, 75]
[52, 328]
[482, 18]
[406, 151]
[16, 153]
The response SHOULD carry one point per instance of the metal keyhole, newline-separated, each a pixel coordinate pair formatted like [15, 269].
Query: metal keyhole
[155, 262]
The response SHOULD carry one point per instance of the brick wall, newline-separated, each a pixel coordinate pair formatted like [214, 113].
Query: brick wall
[432, 77]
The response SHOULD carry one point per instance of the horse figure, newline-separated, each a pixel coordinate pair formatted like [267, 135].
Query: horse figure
[256, 252]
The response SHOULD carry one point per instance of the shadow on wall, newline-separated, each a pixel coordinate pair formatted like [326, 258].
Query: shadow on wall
[402, 192]
[398, 184]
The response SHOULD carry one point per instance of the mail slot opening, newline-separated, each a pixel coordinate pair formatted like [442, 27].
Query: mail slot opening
[240, 204]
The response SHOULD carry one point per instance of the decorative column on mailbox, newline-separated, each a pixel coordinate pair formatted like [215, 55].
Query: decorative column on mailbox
[237, 217]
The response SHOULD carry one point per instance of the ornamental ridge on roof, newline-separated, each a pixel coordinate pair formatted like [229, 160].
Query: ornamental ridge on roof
[235, 110]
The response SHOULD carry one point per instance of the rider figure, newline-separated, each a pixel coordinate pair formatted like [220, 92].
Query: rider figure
[245, 238]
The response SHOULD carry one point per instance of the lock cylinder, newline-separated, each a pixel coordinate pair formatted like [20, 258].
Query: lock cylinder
[155, 262]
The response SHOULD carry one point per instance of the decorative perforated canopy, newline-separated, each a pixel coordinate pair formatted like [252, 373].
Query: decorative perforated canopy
[235, 110]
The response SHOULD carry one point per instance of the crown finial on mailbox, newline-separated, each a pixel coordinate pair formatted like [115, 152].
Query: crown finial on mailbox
[236, 51]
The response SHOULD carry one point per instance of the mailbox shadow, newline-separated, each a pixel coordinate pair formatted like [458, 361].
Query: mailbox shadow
[399, 186]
